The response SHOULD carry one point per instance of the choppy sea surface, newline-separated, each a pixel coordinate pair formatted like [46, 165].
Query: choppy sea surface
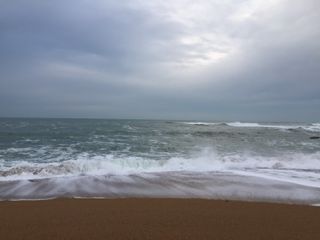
[64, 152]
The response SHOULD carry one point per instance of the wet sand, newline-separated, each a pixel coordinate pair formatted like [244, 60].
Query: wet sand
[156, 219]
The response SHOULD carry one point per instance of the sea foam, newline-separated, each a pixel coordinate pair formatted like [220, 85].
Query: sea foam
[314, 127]
[295, 167]
[50, 158]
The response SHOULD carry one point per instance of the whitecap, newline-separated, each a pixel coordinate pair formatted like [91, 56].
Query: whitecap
[306, 167]
[315, 127]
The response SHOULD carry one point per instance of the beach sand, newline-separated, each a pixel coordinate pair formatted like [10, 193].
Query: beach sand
[156, 219]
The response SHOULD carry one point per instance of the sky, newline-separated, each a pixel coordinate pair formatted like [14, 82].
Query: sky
[246, 60]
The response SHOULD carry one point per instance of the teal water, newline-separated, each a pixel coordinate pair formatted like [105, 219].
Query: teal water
[47, 148]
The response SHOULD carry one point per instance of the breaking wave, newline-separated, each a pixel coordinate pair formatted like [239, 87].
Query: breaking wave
[314, 127]
[298, 167]
[201, 123]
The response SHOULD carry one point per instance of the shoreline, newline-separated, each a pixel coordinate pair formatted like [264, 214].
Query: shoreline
[153, 218]
[249, 201]
[209, 185]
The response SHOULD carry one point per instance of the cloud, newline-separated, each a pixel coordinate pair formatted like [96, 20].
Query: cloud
[248, 59]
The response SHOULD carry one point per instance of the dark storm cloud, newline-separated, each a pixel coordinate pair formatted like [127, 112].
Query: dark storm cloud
[242, 60]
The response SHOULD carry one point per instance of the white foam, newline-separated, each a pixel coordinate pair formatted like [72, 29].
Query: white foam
[302, 168]
[170, 184]
[241, 124]
[315, 127]
[289, 176]
[16, 150]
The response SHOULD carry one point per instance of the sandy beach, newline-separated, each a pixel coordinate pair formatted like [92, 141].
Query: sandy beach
[156, 219]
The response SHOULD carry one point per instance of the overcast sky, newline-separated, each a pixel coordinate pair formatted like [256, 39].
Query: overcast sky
[207, 59]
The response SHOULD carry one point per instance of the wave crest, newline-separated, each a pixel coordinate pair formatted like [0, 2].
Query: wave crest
[314, 127]
[296, 166]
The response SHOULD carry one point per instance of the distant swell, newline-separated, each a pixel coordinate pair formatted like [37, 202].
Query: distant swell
[314, 127]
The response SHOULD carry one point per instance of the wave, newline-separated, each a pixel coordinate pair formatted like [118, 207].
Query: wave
[201, 123]
[314, 127]
[295, 166]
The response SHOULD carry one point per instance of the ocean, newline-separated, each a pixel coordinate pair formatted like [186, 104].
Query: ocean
[48, 158]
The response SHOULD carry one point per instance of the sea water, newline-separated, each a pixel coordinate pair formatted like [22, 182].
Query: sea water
[73, 157]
